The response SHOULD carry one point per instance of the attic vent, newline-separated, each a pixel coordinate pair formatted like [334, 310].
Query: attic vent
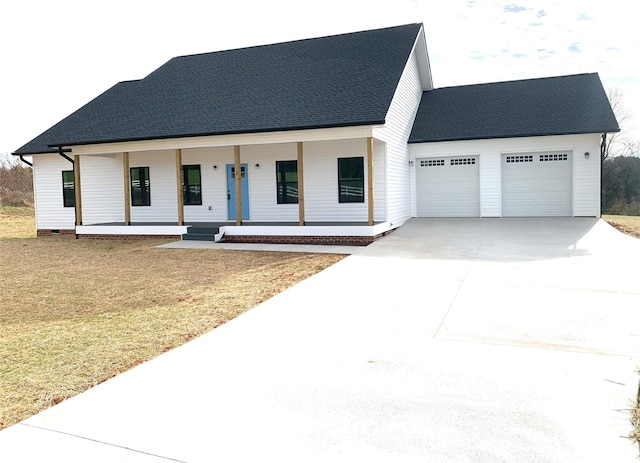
[463, 161]
[553, 157]
[520, 158]
[431, 162]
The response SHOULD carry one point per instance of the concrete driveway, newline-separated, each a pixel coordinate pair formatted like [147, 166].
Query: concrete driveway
[450, 340]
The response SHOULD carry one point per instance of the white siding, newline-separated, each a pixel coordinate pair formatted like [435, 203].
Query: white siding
[490, 190]
[102, 181]
[380, 166]
[586, 172]
[586, 176]
[321, 181]
[162, 181]
[263, 201]
[395, 133]
[47, 181]
[214, 183]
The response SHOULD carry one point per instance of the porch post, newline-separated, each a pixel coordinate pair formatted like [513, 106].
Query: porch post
[370, 179]
[238, 178]
[127, 191]
[300, 186]
[179, 187]
[76, 186]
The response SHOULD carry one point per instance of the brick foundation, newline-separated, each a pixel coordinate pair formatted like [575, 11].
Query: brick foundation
[325, 240]
[265, 239]
[44, 232]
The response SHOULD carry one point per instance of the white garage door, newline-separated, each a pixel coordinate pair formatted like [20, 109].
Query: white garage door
[536, 185]
[447, 187]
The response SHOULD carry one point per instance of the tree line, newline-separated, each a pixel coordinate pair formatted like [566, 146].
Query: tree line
[621, 185]
[621, 164]
[16, 182]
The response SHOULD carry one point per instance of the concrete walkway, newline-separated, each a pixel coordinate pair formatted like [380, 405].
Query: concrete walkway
[310, 248]
[453, 340]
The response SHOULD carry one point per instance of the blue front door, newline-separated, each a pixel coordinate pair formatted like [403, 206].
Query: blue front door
[231, 191]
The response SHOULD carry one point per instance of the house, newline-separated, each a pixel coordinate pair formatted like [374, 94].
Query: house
[337, 139]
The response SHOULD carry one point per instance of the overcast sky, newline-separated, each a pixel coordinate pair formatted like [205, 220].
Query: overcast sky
[59, 54]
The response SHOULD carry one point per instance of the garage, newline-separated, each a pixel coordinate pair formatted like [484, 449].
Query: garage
[447, 187]
[536, 185]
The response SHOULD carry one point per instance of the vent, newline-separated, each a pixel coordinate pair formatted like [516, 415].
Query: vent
[553, 157]
[520, 158]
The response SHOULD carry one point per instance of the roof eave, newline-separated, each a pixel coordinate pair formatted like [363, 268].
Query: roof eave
[525, 135]
[57, 145]
[53, 150]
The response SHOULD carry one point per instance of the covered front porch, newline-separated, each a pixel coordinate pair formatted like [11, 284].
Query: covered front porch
[314, 191]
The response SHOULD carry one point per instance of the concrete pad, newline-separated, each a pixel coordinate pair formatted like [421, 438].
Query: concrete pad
[396, 354]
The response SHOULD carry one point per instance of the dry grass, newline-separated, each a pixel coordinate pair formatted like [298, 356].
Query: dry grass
[17, 222]
[625, 223]
[635, 422]
[77, 312]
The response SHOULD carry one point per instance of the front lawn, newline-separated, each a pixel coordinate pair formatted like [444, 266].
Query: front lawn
[77, 312]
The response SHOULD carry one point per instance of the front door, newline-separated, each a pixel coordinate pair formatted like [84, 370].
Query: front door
[231, 191]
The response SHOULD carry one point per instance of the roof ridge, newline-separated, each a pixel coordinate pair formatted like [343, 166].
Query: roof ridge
[308, 39]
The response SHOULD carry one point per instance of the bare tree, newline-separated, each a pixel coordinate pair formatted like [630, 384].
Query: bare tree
[619, 143]
[16, 182]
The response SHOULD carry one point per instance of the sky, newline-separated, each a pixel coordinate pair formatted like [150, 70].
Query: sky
[57, 55]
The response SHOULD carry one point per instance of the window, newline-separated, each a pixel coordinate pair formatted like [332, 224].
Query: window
[553, 157]
[462, 161]
[432, 162]
[191, 186]
[287, 182]
[521, 158]
[351, 180]
[68, 189]
[140, 188]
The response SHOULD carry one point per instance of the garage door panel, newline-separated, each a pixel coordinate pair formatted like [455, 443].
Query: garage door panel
[536, 185]
[448, 187]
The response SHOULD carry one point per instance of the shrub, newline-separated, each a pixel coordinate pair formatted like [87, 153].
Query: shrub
[622, 207]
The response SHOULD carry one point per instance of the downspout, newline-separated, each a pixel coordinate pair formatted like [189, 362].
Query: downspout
[25, 161]
[75, 207]
[603, 147]
[61, 153]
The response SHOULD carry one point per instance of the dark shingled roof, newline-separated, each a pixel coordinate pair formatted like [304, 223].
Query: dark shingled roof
[522, 108]
[336, 81]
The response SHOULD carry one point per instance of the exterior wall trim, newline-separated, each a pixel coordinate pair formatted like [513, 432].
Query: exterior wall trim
[267, 138]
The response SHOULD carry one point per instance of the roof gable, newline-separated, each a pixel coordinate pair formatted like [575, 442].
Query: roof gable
[335, 81]
[562, 105]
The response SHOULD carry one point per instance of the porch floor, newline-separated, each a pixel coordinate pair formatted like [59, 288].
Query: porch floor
[325, 233]
[232, 223]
